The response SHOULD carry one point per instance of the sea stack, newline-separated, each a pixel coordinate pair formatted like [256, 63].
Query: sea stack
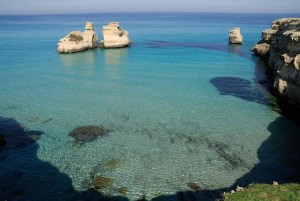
[77, 41]
[235, 36]
[280, 45]
[114, 36]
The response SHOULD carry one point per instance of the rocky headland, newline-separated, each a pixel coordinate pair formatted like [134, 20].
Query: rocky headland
[235, 36]
[114, 36]
[77, 41]
[280, 45]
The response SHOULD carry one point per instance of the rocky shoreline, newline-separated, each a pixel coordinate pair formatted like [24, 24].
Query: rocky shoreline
[280, 45]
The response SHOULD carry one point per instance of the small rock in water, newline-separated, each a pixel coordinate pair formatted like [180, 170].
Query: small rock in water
[47, 120]
[235, 36]
[123, 190]
[34, 137]
[142, 198]
[114, 36]
[238, 189]
[194, 186]
[113, 164]
[100, 182]
[2, 140]
[87, 133]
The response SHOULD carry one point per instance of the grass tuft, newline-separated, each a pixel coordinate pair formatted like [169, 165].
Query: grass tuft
[266, 192]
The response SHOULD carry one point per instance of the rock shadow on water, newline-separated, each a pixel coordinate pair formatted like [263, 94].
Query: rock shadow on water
[25, 177]
[239, 88]
[279, 160]
[279, 156]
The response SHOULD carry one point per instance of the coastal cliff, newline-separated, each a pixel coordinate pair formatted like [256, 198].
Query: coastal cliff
[281, 46]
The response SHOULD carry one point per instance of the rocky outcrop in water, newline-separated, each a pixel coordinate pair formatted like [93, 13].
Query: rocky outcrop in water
[281, 46]
[114, 36]
[87, 133]
[235, 36]
[77, 41]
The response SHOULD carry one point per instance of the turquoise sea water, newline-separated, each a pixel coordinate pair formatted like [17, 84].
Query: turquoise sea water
[181, 105]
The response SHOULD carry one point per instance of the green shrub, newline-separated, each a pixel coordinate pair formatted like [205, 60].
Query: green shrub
[76, 38]
[265, 192]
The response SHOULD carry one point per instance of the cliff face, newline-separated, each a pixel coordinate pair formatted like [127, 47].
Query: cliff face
[281, 46]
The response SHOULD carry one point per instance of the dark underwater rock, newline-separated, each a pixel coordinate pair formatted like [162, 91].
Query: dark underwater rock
[100, 182]
[123, 190]
[194, 186]
[87, 133]
[114, 164]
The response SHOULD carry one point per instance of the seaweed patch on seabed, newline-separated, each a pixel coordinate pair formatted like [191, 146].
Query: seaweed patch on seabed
[233, 160]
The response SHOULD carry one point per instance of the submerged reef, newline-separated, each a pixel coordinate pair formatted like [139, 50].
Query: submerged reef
[194, 186]
[280, 45]
[100, 182]
[114, 164]
[123, 190]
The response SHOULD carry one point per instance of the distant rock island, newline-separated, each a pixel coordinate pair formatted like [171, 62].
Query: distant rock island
[235, 36]
[281, 46]
[77, 41]
[114, 36]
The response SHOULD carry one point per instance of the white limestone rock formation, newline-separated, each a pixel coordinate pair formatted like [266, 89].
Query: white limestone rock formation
[263, 46]
[77, 41]
[114, 36]
[281, 46]
[235, 36]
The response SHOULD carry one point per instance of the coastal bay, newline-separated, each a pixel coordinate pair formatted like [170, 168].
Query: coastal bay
[182, 108]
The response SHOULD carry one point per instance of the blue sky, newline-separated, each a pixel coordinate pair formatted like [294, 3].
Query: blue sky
[75, 6]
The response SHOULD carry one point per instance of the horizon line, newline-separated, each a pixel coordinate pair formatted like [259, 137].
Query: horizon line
[84, 12]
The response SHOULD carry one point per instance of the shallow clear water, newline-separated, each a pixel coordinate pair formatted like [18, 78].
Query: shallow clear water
[181, 105]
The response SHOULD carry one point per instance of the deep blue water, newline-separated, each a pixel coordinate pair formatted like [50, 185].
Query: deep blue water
[181, 105]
